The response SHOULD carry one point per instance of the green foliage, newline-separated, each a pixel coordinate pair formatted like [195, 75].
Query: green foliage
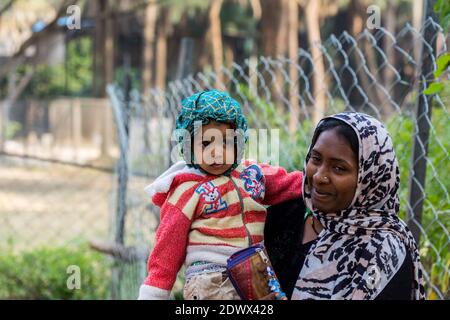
[435, 217]
[135, 77]
[434, 88]
[237, 20]
[47, 81]
[190, 7]
[71, 79]
[3, 87]
[443, 63]
[265, 115]
[12, 127]
[79, 66]
[42, 274]
[442, 8]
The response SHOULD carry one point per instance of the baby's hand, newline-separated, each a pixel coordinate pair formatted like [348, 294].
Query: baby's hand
[270, 296]
[273, 296]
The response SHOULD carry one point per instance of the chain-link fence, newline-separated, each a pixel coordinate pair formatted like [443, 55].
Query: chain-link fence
[49, 212]
[376, 72]
[46, 203]
[56, 194]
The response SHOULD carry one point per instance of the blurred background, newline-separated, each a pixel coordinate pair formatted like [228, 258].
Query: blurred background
[89, 91]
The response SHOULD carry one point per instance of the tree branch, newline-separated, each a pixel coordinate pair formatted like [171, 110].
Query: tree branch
[117, 250]
[6, 7]
[19, 56]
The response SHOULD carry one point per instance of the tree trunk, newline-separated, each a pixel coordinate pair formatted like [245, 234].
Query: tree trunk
[357, 12]
[256, 9]
[314, 41]
[418, 9]
[229, 56]
[19, 57]
[6, 7]
[293, 71]
[281, 49]
[99, 46]
[109, 52]
[253, 59]
[149, 40]
[214, 36]
[104, 47]
[270, 24]
[274, 40]
[388, 73]
[281, 39]
[119, 251]
[161, 48]
[15, 89]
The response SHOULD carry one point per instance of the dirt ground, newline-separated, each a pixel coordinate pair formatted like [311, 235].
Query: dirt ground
[51, 204]
[43, 203]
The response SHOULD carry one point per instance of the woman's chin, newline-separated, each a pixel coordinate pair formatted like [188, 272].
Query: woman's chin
[322, 207]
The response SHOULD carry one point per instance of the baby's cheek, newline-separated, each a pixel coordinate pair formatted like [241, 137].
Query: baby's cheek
[229, 152]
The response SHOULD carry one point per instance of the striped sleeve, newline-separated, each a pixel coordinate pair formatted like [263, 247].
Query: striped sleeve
[169, 251]
[280, 185]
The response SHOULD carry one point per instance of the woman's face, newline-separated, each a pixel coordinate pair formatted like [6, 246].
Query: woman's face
[332, 172]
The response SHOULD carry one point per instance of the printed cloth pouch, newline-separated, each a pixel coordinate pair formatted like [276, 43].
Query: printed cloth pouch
[252, 274]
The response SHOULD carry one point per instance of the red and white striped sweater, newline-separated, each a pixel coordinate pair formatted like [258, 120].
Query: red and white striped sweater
[208, 218]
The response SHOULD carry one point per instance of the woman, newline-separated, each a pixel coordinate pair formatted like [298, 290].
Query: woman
[351, 244]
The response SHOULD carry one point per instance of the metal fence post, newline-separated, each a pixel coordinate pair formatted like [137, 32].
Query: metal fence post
[416, 192]
[123, 166]
[185, 58]
[184, 69]
[121, 111]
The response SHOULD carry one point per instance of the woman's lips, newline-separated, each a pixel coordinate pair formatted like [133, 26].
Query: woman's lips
[320, 195]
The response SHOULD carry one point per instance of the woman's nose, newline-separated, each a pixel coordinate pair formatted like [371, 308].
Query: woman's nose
[321, 176]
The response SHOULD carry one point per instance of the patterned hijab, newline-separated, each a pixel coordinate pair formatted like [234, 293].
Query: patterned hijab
[362, 247]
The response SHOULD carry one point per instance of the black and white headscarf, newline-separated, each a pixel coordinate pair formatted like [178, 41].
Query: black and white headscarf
[361, 248]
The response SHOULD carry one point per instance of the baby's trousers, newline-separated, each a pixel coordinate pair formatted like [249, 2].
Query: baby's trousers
[209, 286]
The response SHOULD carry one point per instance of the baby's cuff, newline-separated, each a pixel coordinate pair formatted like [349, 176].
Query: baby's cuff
[153, 293]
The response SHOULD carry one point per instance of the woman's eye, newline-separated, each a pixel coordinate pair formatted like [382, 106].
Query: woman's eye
[339, 169]
[315, 158]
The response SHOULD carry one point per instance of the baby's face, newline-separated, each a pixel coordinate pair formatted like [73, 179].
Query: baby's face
[214, 148]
